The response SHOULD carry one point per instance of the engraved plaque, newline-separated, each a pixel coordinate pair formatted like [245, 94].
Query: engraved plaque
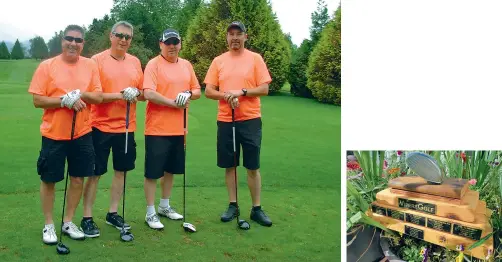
[467, 232]
[414, 232]
[395, 214]
[418, 206]
[439, 225]
[378, 210]
[418, 220]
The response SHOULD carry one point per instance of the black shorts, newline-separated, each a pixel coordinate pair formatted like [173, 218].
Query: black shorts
[248, 135]
[164, 154]
[79, 152]
[104, 141]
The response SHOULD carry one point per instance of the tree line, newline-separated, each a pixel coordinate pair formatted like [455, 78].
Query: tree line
[313, 69]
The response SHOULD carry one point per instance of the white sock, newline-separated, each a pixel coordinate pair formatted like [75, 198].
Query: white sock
[150, 210]
[164, 203]
[47, 225]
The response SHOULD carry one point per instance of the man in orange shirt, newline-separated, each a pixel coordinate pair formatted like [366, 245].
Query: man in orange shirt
[121, 78]
[62, 85]
[169, 85]
[237, 79]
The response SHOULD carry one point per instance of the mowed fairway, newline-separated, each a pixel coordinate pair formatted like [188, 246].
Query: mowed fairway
[300, 188]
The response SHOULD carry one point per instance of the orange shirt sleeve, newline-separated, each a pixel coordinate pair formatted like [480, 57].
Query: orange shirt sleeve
[194, 82]
[95, 84]
[262, 76]
[212, 74]
[40, 80]
[140, 72]
[150, 76]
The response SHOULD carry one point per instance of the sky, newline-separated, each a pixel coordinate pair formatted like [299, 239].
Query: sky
[46, 17]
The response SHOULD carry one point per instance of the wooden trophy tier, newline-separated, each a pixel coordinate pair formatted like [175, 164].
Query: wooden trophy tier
[450, 187]
[446, 214]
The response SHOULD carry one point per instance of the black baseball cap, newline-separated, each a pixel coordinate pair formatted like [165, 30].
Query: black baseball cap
[170, 33]
[237, 24]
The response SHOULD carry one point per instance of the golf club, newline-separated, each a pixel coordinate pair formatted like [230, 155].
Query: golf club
[187, 226]
[61, 248]
[125, 235]
[241, 223]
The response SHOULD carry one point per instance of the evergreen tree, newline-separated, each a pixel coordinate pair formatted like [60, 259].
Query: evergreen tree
[324, 70]
[4, 51]
[17, 51]
[206, 36]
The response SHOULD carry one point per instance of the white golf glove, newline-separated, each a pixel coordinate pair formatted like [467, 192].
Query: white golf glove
[182, 98]
[70, 98]
[130, 93]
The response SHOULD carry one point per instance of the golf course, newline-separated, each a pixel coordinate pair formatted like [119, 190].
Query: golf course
[300, 168]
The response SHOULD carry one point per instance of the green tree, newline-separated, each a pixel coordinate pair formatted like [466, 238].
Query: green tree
[38, 48]
[186, 15]
[17, 51]
[319, 20]
[298, 68]
[4, 51]
[54, 44]
[298, 75]
[206, 36]
[324, 70]
[152, 16]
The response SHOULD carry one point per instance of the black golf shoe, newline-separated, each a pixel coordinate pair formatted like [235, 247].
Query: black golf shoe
[230, 214]
[117, 221]
[260, 217]
[89, 228]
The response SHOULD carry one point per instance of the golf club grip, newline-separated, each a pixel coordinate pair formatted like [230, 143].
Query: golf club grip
[128, 108]
[233, 129]
[73, 124]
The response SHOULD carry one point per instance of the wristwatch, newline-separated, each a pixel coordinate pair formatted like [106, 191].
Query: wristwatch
[245, 91]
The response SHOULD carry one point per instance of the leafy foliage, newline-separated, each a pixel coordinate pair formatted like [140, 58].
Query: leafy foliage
[17, 51]
[38, 48]
[54, 44]
[324, 70]
[4, 51]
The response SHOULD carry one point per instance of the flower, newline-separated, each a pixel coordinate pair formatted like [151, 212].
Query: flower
[473, 181]
[399, 153]
[385, 164]
[353, 165]
[393, 171]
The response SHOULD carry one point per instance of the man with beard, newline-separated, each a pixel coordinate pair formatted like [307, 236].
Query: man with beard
[237, 79]
[169, 85]
[63, 86]
[121, 78]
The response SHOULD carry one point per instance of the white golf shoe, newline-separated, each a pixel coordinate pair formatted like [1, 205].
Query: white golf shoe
[169, 212]
[49, 236]
[153, 221]
[73, 231]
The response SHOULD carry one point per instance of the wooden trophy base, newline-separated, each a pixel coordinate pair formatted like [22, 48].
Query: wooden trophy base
[450, 187]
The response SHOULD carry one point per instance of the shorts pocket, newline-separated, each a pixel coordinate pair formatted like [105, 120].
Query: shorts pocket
[42, 166]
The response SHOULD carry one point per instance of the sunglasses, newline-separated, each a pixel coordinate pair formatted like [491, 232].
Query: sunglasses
[172, 41]
[120, 36]
[78, 40]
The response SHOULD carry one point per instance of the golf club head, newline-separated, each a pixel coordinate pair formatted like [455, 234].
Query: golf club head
[126, 236]
[62, 249]
[243, 224]
[425, 166]
[189, 227]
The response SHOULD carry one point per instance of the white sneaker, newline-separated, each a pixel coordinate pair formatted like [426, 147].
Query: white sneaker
[153, 221]
[73, 231]
[49, 235]
[169, 212]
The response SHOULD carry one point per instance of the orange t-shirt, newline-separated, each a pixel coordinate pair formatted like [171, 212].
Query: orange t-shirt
[230, 72]
[168, 79]
[55, 78]
[116, 75]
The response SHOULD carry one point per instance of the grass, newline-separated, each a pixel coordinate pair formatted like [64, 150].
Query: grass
[300, 187]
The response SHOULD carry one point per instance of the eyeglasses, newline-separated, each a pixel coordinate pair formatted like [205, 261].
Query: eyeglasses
[78, 40]
[172, 41]
[120, 36]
